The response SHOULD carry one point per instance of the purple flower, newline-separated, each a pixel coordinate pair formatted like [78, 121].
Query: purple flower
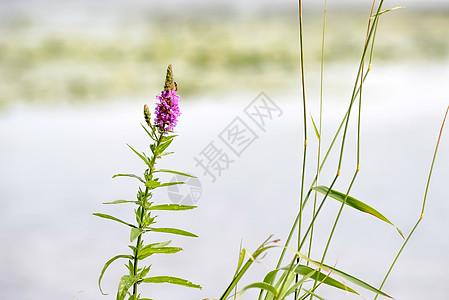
[167, 110]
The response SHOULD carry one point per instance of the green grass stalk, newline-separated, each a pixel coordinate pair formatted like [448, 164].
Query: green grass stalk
[423, 205]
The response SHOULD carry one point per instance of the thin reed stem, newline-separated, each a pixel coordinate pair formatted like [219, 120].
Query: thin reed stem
[423, 205]
[303, 87]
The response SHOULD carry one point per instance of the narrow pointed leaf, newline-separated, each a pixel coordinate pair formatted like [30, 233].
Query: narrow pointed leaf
[135, 232]
[106, 265]
[152, 184]
[151, 134]
[126, 282]
[320, 277]
[140, 155]
[171, 280]
[144, 253]
[343, 275]
[155, 184]
[173, 231]
[157, 245]
[314, 126]
[356, 281]
[310, 293]
[241, 259]
[385, 11]
[286, 283]
[270, 276]
[171, 183]
[354, 203]
[129, 175]
[175, 172]
[258, 285]
[164, 146]
[112, 218]
[120, 201]
[168, 137]
[300, 282]
[171, 207]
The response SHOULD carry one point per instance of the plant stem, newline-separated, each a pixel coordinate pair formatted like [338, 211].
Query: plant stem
[301, 47]
[143, 204]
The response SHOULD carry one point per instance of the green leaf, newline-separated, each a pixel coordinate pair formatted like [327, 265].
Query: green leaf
[112, 218]
[135, 232]
[106, 265]
[300, 282]
[166, 153]
[171, 207]
[354, 203]
[126, 282]
[170, 183]
[168, 137]
[140, 155]
[175, 172]
[158, 245]
[343, 275]
[171, 280]
[258, 285]
[356, 281]
[151, 134]
[314, 126]
[173, 231]
[270, 276]
[241, 259]
[129, 175]
[119, 202]
[385, 11]
[164, 146]
[152, 184]
[310, 293]
[147, 251]
[320, 277]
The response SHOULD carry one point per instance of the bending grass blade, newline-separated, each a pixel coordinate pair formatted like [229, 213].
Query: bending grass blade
[310, 293]
[258, 285]
[320, 277]
[343, 275]
[354, 203]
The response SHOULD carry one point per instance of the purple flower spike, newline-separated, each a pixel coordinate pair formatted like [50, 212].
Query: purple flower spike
[167, 110]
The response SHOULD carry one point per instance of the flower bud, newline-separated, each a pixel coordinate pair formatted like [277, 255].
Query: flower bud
[147, 114]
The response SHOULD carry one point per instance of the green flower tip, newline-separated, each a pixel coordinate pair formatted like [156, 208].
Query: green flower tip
[147, 114]
[169, 83]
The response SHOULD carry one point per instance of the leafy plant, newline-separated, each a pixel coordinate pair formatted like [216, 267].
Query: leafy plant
[161, 136]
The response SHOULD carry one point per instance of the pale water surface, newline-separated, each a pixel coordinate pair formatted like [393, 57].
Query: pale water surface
[56, 166]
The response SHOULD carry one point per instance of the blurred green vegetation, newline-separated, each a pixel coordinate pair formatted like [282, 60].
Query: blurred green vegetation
[210, 54]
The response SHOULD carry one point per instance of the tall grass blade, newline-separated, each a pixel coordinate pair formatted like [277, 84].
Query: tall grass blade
[354, 203]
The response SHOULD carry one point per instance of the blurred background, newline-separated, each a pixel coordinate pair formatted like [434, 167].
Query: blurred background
[74, 76]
